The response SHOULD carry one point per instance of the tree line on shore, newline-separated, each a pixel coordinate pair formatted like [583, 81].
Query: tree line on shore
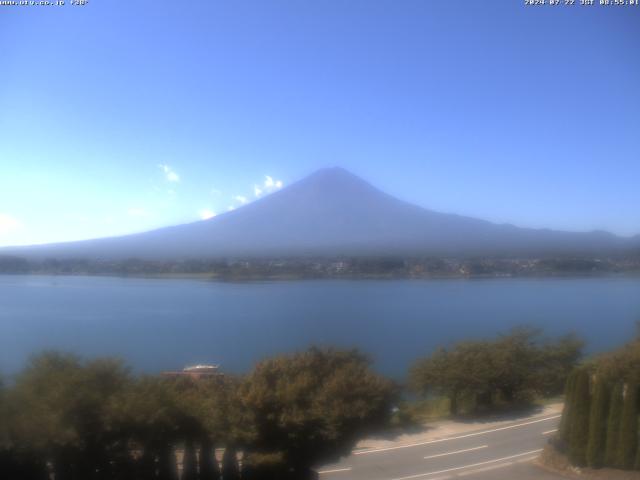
[329, 267]
[512, 369]
[599, 426]
[81, 419]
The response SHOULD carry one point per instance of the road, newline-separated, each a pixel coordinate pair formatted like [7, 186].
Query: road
[505, 452]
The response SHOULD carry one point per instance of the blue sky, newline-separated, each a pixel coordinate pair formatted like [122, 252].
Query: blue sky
[124, 116]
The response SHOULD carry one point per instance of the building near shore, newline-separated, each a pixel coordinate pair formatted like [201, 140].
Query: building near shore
[196, 372]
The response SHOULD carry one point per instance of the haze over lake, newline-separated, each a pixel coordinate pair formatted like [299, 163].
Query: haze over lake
[165, 324]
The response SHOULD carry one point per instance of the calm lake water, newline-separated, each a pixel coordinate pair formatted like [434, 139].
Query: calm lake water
[166, 324]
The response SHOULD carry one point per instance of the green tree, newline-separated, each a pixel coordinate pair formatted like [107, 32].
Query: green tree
[150, 416]
[313, 406]
[512, 368]
[557, 359]
[622, 364]
[60, 409]
[564, 429]
[434, 375]
[464, 372]
[628, 442]
[598, 423]
[516, 358]
[613, 426]
[209, 415]
[579, 435]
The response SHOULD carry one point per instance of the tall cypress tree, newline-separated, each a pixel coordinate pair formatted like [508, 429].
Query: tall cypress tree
[628, 442]
[613, 426]
[598, 423]
[579, 427]
[565, 421]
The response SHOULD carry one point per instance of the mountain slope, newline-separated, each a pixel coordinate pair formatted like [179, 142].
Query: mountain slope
[333, 212]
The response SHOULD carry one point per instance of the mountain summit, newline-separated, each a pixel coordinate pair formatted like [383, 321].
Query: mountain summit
[333, 212]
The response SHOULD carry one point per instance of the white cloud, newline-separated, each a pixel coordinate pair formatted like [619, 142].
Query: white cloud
[137, 212]
[215, 191]
[270, 184]
[169, 173]
[206, 214]
[8, 223]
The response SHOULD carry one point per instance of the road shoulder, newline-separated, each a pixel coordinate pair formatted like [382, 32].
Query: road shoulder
[452, 428]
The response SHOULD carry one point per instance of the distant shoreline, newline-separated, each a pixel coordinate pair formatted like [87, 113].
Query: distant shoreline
[291, 278]
[316, 268]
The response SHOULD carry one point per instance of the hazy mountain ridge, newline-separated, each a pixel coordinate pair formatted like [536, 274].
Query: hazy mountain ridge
[332, 212]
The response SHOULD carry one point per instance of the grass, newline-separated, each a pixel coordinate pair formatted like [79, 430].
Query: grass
[417, 412]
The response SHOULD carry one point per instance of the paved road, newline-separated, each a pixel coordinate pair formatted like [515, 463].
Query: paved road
[504, 452]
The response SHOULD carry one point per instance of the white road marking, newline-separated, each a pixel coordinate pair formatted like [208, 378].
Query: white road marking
[457, 451]
[468, 466]
[528, 459]
[492, 467]
[550, 431]
[335, 470]
[475, 434]
[485, 469]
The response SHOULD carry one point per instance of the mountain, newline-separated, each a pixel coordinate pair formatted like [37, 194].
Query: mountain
[333, 212]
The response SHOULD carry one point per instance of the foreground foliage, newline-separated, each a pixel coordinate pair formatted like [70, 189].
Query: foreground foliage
[510, 370]
[314, 406]
[90, 420]
[599, 427]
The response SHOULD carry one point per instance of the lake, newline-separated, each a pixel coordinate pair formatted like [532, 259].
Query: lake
[157, 324]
